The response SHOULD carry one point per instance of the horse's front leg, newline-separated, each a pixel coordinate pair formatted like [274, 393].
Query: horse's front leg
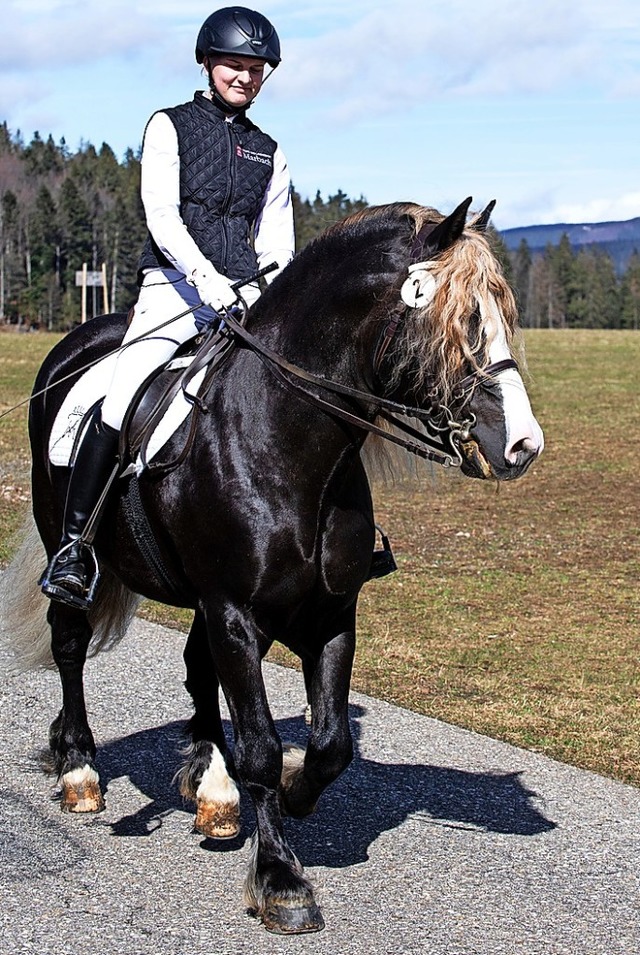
[276, 889]
[71, 741]
[205, 777]
[306, 774]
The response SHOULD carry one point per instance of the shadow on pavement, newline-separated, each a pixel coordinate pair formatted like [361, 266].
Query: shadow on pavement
[369, 799]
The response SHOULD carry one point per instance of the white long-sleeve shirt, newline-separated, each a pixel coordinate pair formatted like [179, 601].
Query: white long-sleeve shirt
[274, 239]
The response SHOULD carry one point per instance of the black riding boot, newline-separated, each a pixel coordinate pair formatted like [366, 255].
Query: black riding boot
[72, 573]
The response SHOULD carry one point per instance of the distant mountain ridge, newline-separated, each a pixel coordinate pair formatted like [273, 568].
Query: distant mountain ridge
[618, 239]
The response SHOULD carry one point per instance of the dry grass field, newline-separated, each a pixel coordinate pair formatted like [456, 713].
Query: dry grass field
[515, 611]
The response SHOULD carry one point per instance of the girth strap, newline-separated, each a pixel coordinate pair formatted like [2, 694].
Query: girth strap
[143, 535]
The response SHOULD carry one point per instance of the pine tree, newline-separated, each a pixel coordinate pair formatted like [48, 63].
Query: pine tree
[6, 144]
[131, 234]
[560, 260]
[608, 292]
[41, 157]
[630, 294]
[59, 209]
[521, 272]
[9, 257]
[76, 246]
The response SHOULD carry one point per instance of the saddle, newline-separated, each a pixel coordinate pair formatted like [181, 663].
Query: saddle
[160, 406]
[188, 375]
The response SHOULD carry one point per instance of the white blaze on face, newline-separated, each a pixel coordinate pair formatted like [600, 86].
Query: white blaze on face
[523, 431]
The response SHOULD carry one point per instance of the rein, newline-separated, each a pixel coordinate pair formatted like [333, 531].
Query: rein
[79, 371]
[432, 447]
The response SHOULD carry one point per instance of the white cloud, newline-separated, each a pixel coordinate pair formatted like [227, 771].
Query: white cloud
[394, 60]
[360, 56]
[543, 207]
[16, 89]
[45, 34]
[613, 208]
[376, 97]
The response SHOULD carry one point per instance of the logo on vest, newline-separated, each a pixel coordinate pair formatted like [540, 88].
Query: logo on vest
[242, 153]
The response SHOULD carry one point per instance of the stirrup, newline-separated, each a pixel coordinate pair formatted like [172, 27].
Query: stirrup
[382, 562]
[55, 592]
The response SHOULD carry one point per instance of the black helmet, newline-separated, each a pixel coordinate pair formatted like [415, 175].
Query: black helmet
[239, 31]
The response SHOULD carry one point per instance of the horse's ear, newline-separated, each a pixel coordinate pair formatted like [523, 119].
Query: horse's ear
[429, 240]
[481, 223]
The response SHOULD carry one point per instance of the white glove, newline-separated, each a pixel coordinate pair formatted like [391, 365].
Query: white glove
[214, 289]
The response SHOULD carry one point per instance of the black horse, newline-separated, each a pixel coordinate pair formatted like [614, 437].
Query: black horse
[266, 528]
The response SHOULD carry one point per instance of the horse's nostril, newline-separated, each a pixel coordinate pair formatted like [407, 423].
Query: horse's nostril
[521, 451]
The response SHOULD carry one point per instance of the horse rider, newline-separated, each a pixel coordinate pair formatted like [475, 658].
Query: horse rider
[211, 179]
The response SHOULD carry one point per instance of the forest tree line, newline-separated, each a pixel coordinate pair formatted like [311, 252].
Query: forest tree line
[62, 210]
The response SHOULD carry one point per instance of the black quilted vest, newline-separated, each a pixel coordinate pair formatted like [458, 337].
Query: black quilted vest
[225, 169]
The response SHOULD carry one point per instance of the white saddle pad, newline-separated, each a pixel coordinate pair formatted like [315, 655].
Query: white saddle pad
[90, 388]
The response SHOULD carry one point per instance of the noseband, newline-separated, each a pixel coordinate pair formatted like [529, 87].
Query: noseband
[446, 441]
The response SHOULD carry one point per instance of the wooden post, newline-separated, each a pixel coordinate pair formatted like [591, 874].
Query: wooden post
[105, 294]
[84, 292]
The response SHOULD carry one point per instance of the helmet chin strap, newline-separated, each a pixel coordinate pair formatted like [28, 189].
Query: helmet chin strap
[222, 103]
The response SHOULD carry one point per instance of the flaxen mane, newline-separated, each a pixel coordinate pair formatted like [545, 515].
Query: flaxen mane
[437, 346]
[437, 349]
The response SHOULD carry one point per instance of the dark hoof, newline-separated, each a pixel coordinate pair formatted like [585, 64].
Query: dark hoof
[286, 920]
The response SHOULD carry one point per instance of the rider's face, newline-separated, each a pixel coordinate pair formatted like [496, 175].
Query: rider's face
[237, 79]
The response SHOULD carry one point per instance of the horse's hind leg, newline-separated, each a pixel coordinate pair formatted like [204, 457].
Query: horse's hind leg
[205, 778]
[71, 741]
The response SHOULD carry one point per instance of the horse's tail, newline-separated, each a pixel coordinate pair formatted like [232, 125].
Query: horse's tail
[24, 632]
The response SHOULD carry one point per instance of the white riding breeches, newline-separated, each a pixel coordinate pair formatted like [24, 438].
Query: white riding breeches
[164, 294]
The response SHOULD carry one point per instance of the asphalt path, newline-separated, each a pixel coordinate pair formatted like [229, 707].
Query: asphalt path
[436, 840]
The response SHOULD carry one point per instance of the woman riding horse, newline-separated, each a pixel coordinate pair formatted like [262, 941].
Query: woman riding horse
[209, 177]
[265, 528]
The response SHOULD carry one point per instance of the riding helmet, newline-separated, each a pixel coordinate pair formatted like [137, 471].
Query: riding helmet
[239, 31]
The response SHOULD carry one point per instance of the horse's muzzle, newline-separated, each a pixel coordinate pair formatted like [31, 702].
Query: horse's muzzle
[475, 464]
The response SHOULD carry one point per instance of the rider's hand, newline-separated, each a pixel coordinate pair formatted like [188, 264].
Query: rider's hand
[214, 289]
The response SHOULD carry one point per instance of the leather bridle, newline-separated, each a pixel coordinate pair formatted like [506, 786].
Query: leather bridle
[446, 441]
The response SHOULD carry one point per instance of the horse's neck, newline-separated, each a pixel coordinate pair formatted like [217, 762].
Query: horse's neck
[334, 344]
[270, 409]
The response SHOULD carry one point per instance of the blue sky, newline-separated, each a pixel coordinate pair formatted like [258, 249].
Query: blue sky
[535, 103]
